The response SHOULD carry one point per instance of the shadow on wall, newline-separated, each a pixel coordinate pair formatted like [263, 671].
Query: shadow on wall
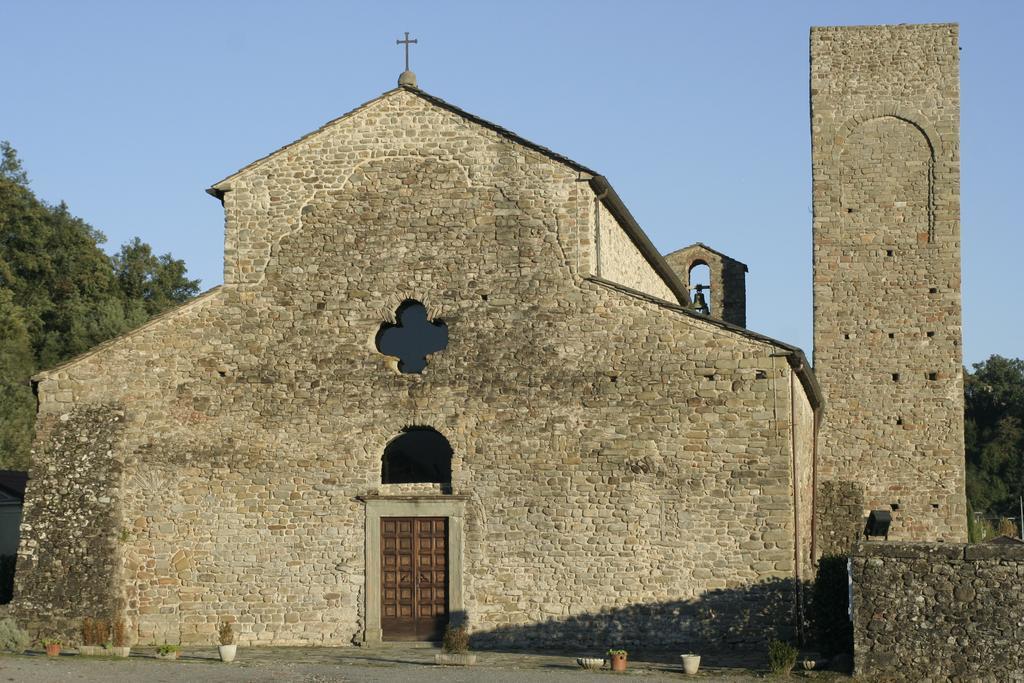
[722, 619]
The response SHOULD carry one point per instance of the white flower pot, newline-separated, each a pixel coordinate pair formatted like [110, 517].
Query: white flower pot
[453, 659]
[690, 663]
[227, 652]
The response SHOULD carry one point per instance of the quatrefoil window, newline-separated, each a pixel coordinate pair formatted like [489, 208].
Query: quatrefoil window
[412, 338]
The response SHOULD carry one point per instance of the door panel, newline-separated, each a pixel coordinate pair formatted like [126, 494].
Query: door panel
[414, 577]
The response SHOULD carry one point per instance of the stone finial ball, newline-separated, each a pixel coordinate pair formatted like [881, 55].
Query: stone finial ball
[407, 78]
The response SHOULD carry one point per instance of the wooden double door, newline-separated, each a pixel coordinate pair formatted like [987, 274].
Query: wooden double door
[414, 577]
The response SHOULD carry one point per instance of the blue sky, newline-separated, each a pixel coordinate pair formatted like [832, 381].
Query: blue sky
[696, 111]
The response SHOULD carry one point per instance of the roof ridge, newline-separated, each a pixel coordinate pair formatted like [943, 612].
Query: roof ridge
[501, 130]
[709, 248]
[599, 184]
[218, 192]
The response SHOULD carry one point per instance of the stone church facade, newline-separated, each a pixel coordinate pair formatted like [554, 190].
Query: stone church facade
[581, 459]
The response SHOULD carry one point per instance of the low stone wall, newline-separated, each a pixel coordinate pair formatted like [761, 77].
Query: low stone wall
[939, 611]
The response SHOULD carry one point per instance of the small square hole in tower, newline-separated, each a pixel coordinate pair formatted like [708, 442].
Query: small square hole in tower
[892, 335]
[889, 252]
[933, 290]
[895, 377]
[899, 420]
[931, 334]
[932, 376]
[846, 336]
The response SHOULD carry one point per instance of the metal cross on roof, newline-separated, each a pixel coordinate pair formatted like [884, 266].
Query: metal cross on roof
[406, 42]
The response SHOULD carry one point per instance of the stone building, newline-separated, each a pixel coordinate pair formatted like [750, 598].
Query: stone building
[447, 377]
[885, 123]
[728, 280]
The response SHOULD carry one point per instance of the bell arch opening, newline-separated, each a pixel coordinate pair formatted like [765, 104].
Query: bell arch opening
[699, 280]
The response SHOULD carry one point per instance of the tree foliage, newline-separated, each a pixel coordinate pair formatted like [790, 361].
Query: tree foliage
[60, 295]
[994, 435]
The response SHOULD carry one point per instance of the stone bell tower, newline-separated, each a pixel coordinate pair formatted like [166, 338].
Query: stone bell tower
[885, 118]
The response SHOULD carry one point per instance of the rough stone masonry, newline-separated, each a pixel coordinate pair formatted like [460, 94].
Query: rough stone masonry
[623, 470]
[885, 122]
[934, 612]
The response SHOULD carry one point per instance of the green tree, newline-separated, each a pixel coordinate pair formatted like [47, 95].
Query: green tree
[994, 435]
[60, 295]
[153, 283]
[17, 404]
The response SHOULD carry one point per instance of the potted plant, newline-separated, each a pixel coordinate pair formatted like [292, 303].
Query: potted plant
[89, 645]
[455, 648]
[52, 646]
[119, 639]
[167, 651]
[691, 663]
[95, 637]
[618, 659]
[227, 642]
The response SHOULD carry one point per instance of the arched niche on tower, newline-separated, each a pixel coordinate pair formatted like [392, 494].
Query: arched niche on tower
[886, 174]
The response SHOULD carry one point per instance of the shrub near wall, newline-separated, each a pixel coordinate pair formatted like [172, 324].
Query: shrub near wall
[939, 611]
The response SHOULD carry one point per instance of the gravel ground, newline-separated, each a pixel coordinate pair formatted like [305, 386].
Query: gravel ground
[348, 665]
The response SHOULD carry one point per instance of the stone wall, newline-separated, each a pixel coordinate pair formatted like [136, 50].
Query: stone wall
[938, 612]
[620, 260]
[887, 323]
[68, 565]
[626, 468]
[838, 517]
[804, 428]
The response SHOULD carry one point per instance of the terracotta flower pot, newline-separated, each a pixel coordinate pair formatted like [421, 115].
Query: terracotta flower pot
[618, 662]
[53, 650]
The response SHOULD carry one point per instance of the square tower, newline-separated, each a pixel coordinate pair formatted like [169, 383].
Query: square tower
[885, 119]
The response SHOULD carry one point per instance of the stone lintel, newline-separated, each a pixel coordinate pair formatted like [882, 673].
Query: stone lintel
[949, 551]
[909, 551]
[994, 551]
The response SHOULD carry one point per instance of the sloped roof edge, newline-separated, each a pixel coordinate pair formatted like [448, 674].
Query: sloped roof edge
[217, 191]
[610, 198]
[113, 341]
[598, 183]
[794, 354]
[713, 251]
